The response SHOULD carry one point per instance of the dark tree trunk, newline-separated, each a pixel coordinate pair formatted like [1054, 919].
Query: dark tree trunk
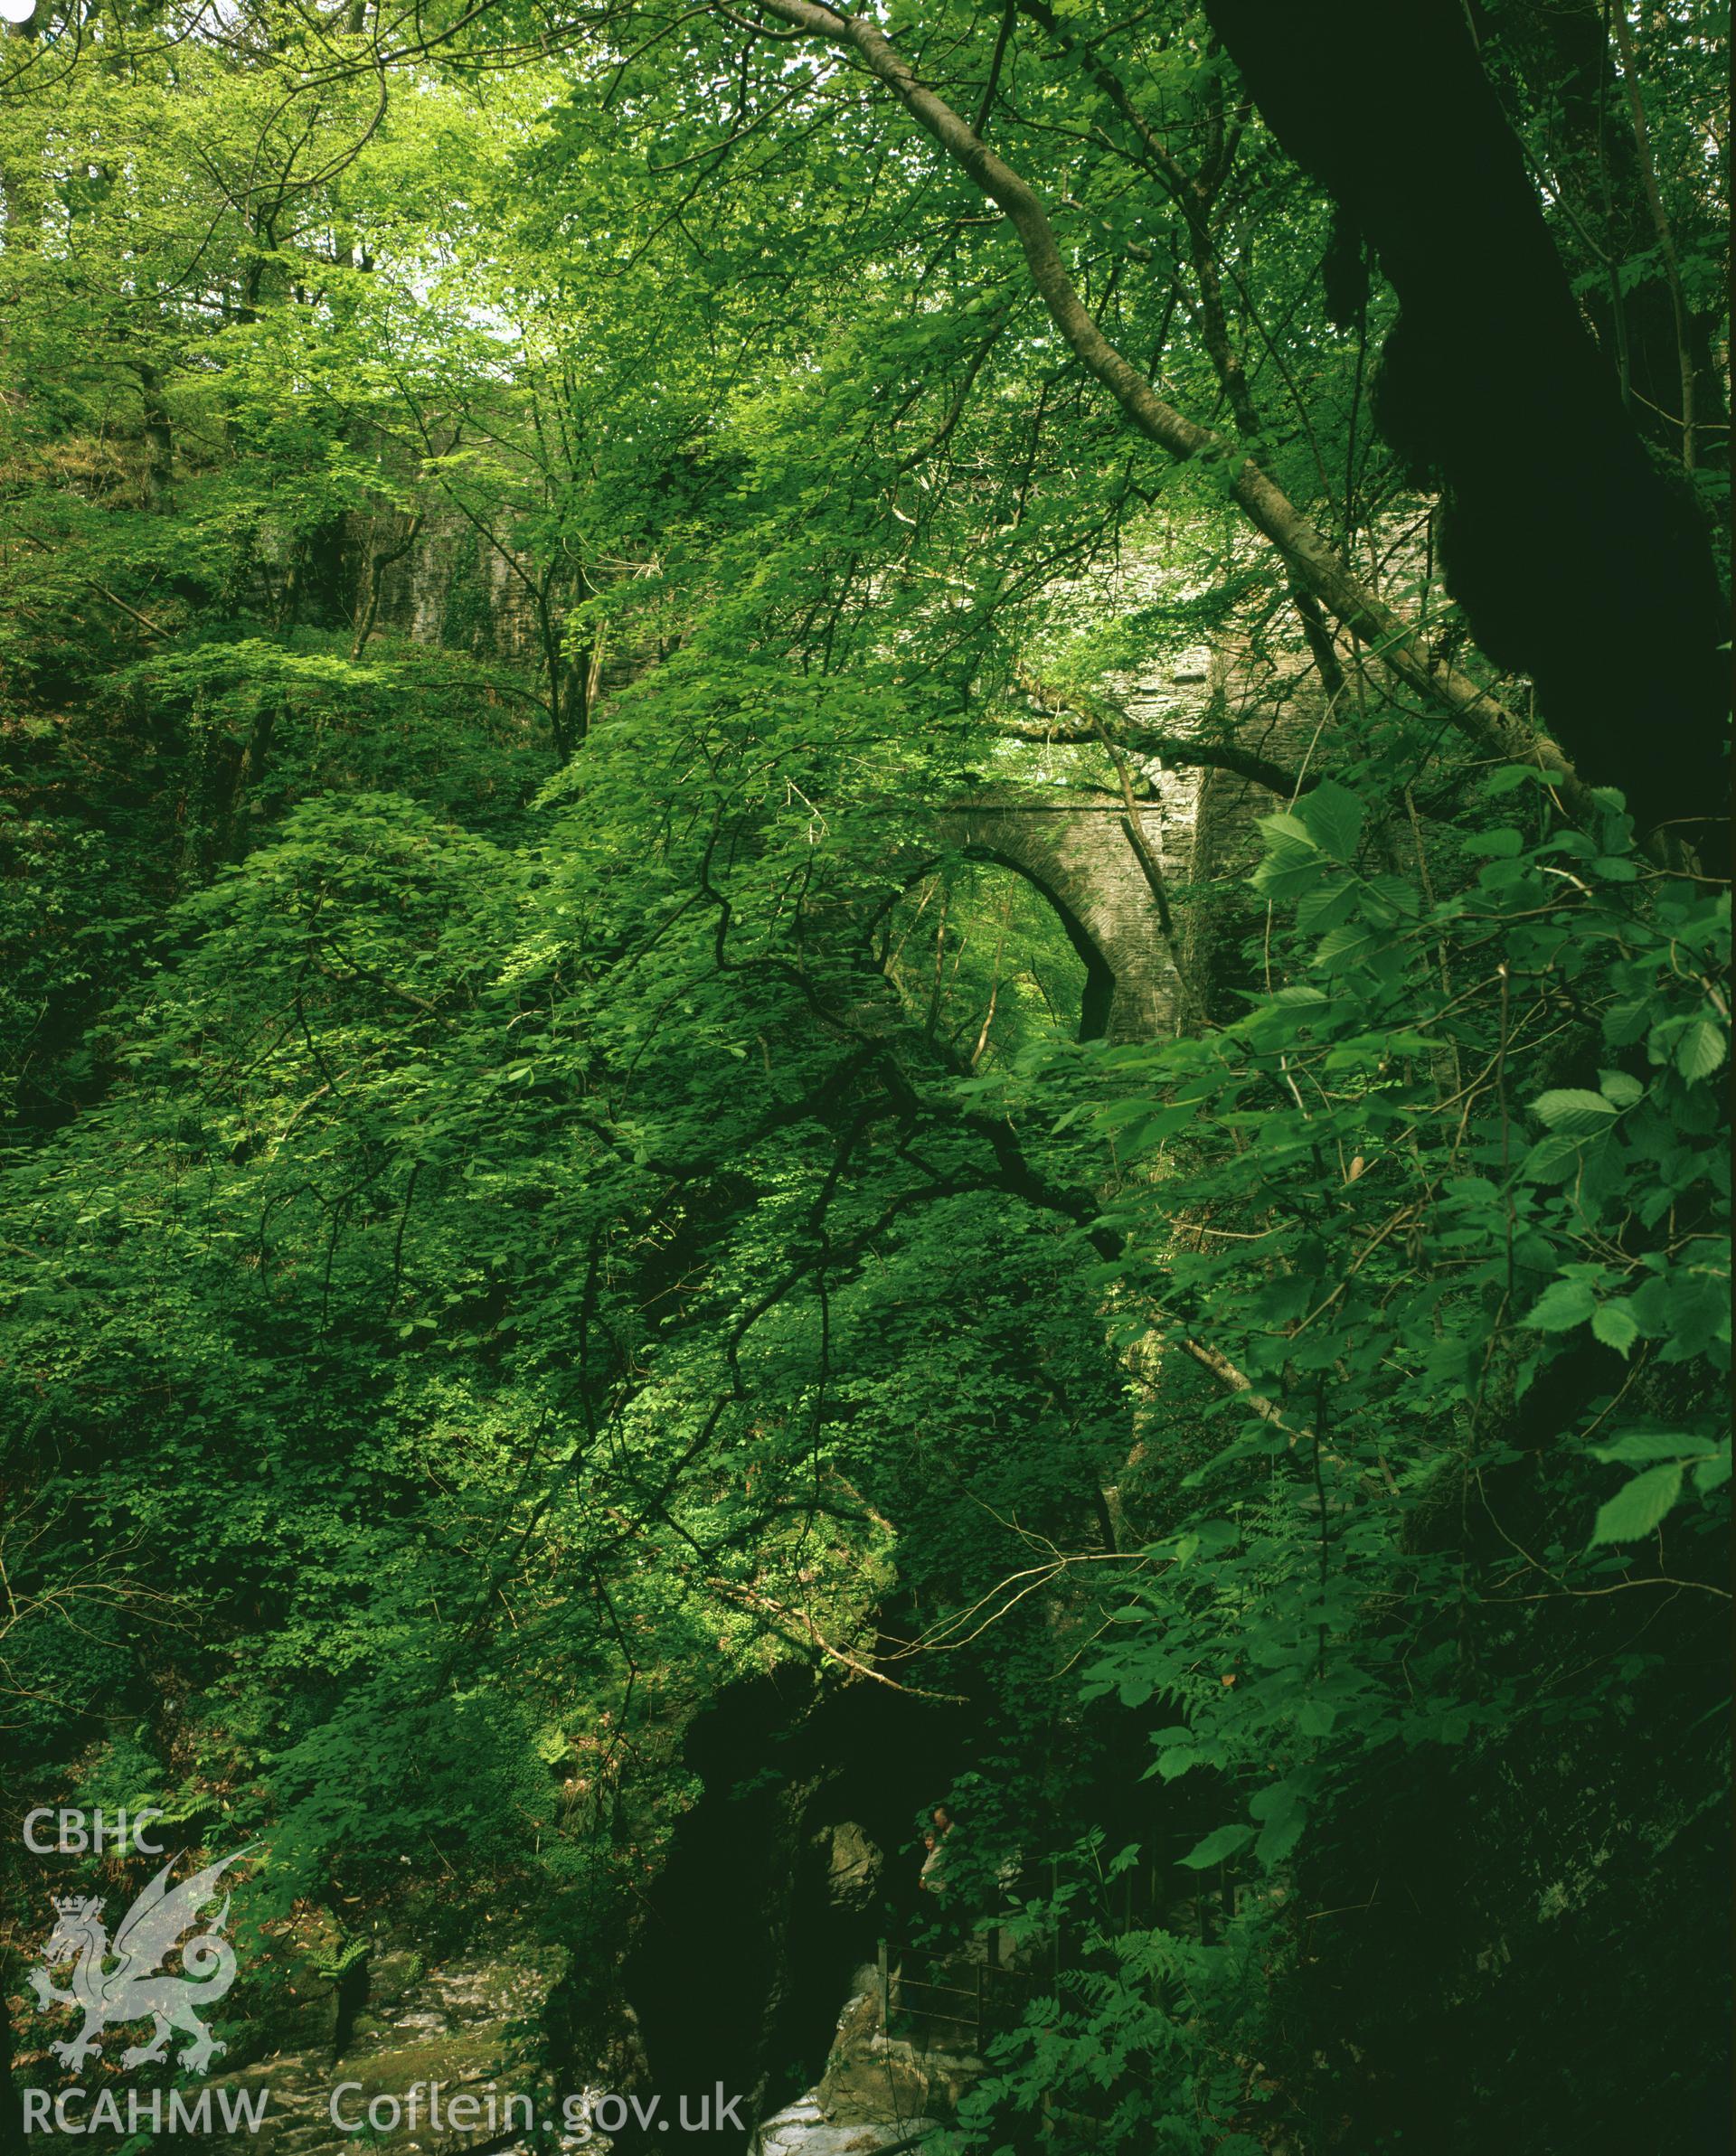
[1575, 556]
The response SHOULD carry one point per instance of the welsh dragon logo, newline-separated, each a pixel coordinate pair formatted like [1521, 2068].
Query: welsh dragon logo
[132, 1987]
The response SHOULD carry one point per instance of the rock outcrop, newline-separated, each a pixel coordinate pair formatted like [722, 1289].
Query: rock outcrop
[880, 2091]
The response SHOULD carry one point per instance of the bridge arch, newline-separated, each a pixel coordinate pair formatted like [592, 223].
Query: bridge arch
[1081, 857]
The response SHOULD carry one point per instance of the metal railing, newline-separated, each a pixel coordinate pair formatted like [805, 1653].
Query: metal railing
[992, 1997]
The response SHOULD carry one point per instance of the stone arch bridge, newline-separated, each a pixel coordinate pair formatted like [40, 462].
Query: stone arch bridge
[1110, 879]
[1119, 877]
[1111, 875]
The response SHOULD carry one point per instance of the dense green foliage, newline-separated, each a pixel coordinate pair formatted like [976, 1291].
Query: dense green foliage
[539, 1190]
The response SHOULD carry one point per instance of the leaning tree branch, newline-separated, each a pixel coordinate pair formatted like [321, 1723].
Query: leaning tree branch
[1086, 723]
[1311, 558]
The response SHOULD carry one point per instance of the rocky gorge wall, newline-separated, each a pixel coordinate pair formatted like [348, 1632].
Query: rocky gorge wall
[782, 1876]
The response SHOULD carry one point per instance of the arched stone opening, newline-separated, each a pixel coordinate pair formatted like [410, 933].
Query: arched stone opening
[1084, 860]
[982, 957]
[1097, 998]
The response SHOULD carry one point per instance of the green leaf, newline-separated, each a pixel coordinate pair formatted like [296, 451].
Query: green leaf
[1511, 777]
[1326, 906]
[1332, 817]
[1286, 828]
[1647, 1445]
[1277, 1800]
[1563, 1304]
[1279, 1836]
[1554, 1158]
[1638, 1506]
[1289, 869]
[1620, 1086]
[1355, 941]
[1227, 1841]
[1614, 1325]
[1574, 1111]
[1701, 1049]
[1628, 1022]
[1281, 1809]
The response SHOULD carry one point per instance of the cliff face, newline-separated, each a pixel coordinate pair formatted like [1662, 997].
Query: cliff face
[453, 585]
